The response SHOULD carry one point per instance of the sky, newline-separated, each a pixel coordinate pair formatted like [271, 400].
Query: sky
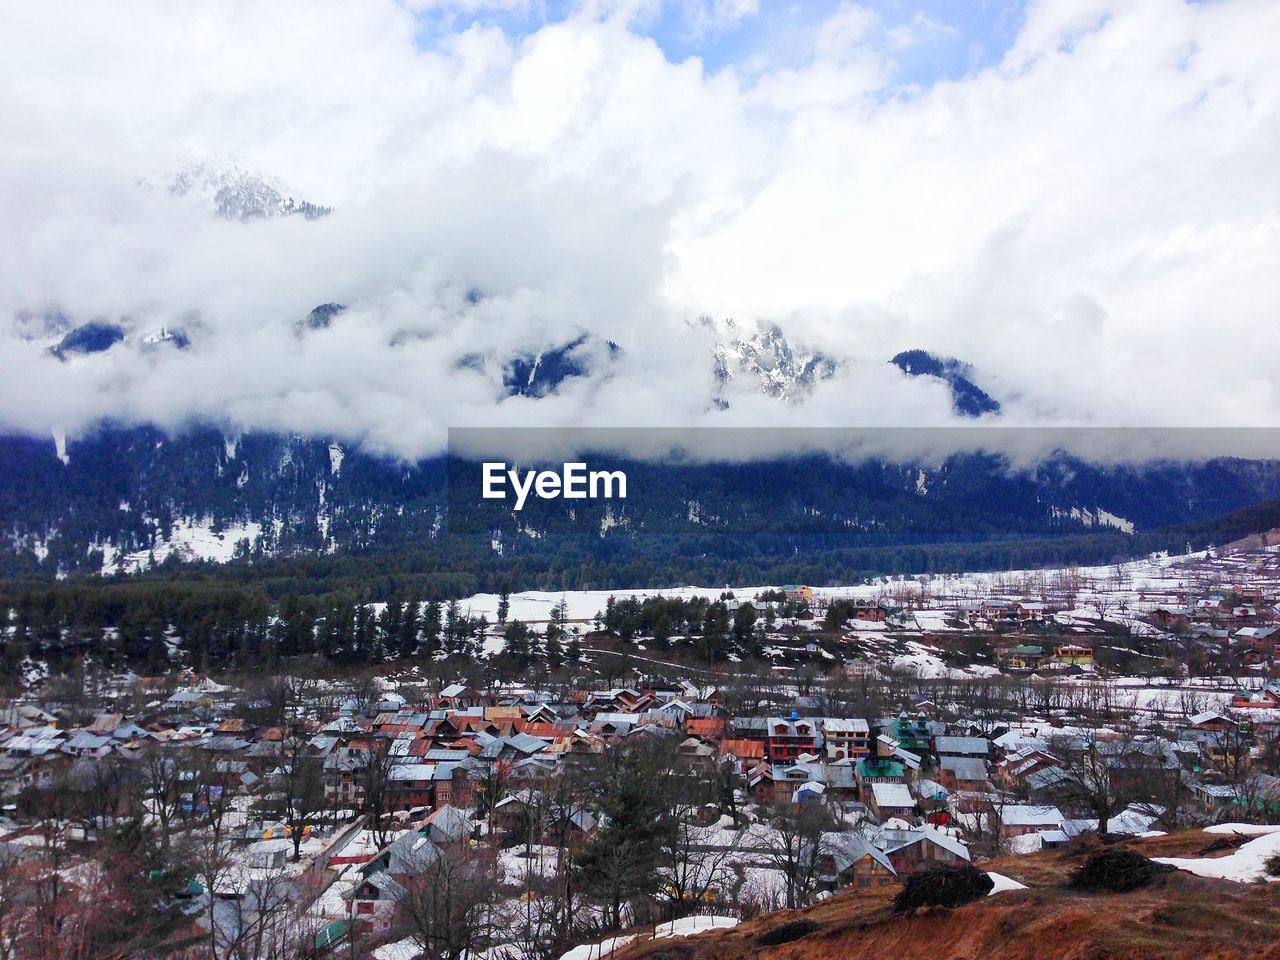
[1077, 197]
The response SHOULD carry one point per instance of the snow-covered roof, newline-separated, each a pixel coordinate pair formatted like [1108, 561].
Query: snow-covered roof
[893, 795]
[962, 745]
[1031, 815]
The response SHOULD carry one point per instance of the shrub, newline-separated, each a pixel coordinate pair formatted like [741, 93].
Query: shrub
[786, 933]
[947, 885]
[1117, 870]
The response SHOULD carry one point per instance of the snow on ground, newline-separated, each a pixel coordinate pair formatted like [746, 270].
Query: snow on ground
[923, 662]
[1244, 829]
[406, 949]
[1027, 843]
[693, 925]
[1003, 883]
[594, 951]
[534, 606]
[190, 540]
[1123, 589]
[1244, 865]
[935, 621]
[517, 867]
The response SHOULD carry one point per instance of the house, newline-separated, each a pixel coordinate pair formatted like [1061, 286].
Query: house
[1261, 639]
[1213, 722]
[846, 739]
[697, 749]
[1024, 761]
[1031, 610]
[1171, 618]
[870, 612]
[744, 754]
[187, 700]
[446, 824]
[1073, 655]
[518, 811]
[919, 847]
[407, 855]
[1021, 658]
[708, 728]
[1268, 698]
[963, 773]
[978, 748]
[383, 878]
[798, 594]
[789, 737]
[1050, 782]
[578, 743]
[1019, 819]
[912, 733]
[809, 792]
[459, 697]
[892, 800]
[848, 860]
[411, 785]
[454, 785]
[83, 743]
[872, 770]
[999, 609]
[571, 820]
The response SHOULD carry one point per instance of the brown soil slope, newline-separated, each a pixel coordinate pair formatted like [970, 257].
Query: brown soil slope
[1179, 916]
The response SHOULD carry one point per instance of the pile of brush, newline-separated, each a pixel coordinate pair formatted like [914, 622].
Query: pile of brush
[786, 933]
[1117, 870]
[946, 885]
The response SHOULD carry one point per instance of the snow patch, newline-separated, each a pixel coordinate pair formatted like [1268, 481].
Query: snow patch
[60, 446]
[1245, 865]
[595, 951]
[689, 926]
[189, 540]
[1003, 884]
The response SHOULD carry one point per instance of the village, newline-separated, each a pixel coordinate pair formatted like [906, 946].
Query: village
[398, 814]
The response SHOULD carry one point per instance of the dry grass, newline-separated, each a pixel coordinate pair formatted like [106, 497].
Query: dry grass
[1179, 916]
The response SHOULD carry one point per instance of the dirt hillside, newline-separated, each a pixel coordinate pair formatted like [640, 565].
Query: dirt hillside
[1179, 916]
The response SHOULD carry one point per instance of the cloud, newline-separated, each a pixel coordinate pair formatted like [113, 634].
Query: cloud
[1092, 222]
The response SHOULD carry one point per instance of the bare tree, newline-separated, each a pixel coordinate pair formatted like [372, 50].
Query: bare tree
[301, 789]
[446, 907]
[795, 846]
[164, 777]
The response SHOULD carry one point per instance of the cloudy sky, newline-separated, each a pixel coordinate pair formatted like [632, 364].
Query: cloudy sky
[1078, 197]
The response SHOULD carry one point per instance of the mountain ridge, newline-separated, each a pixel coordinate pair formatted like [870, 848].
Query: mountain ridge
[118, 499]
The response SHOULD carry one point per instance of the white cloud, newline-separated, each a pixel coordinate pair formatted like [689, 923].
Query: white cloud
[1093, 222]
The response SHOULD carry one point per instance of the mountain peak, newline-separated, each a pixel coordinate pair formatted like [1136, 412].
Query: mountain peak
[236, 191]
[967, 398]
[96, 336]
[767, 362]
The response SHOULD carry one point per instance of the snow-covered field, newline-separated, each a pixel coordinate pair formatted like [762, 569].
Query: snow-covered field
[1115, 590]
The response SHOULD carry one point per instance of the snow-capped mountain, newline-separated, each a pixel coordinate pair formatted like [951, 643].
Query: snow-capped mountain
[767, 361]
[171, 336]
[123, 498]
[235, 191]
